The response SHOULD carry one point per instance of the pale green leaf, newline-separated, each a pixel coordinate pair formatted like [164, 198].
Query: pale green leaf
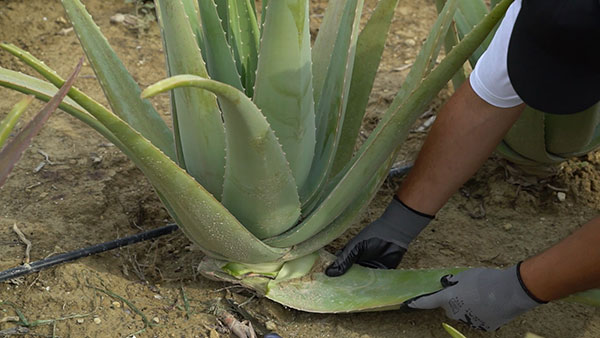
[120, 89]
[369, 49]
[454, 333]
[8, 123]
[197, 114]
[332, 105]
[387, 136]
[219, 56]
[284, 82]
[259, 187]
[244, 38]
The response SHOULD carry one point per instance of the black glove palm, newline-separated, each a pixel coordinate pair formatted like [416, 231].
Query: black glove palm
[381, 244]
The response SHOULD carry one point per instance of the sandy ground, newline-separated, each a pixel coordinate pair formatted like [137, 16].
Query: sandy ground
[88, 192]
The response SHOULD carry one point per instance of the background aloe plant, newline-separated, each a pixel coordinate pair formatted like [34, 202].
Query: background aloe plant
[537, 140]
[260, 170]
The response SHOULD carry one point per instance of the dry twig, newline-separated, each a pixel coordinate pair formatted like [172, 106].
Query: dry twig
[25, 241]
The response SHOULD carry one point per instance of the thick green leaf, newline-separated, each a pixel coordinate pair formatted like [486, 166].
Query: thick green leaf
[332, 105]
[284, 82]
[449, 43]
[13, 150]
[324, 44]
[198, 116]
[528, 137]
[359, 290]
[567, 135]
[45, 91]
[369, 50]
[422, 66]
[259, 187]
[192, 11]
[244, 38]
[120, 89]
[8, 123]
[219, 56]
[427, 57]
[387, 136]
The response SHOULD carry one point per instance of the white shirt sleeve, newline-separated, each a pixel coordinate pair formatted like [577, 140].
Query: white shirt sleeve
[490, 79]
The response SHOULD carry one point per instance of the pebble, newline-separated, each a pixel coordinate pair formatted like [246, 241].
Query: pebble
[270, 325]
[116, 304]
[97, 320]
[507, 226]
[410, 42]
[80, 321]
[561, 196]
[156, 320]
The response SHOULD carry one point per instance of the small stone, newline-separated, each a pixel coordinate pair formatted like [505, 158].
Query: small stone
[410, 42]
[158, 297]
[156, 320]
[117, 18]
[97, 320]
[116, 304]
[561, 196]
[270, 325]
[507, 226]
[80, 321]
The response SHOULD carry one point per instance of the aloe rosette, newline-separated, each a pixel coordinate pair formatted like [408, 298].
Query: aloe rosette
[260, 170]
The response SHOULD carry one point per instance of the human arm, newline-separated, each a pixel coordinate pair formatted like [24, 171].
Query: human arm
[464, 134]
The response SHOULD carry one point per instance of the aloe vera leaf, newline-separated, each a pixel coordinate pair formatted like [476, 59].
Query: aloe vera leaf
[13, 150]
[263, 15]
[589, 297]
[528, 138]
[325, 43]
[358, 290]
[337, 227]
[369, 49]
[450, 41]
[283, 89]
[243, 38]
[222, 13]
[176, 132]
[198, 115]
[454, 333]
[44, 91]
[120, 89]
[259, 188]
[387, 136]
[567, 135]
[332, 105]
[423, 64]
[203, 219]
[9, 122]
[507, 152]
[219, 56]
[192, 11]
[427, 56]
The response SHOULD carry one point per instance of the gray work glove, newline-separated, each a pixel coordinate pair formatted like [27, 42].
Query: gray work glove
[382, 243]
[482, 298]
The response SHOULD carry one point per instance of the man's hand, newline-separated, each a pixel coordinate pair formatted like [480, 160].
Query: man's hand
[483, 298]
[382, 243]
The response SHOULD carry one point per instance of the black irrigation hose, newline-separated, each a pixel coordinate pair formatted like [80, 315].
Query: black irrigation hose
[98, 248]
[80, 253]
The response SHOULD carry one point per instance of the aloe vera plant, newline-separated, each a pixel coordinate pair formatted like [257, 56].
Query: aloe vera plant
[537, 140]
[259, 170]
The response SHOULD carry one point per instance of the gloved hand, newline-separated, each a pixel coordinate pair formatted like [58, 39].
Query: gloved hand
[382, 243]
[483, 298]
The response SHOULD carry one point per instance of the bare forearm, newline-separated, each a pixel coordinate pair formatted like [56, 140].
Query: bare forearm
[463, 136]
[570, 266]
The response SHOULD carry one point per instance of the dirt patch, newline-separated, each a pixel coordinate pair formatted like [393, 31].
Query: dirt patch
[90, 193]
